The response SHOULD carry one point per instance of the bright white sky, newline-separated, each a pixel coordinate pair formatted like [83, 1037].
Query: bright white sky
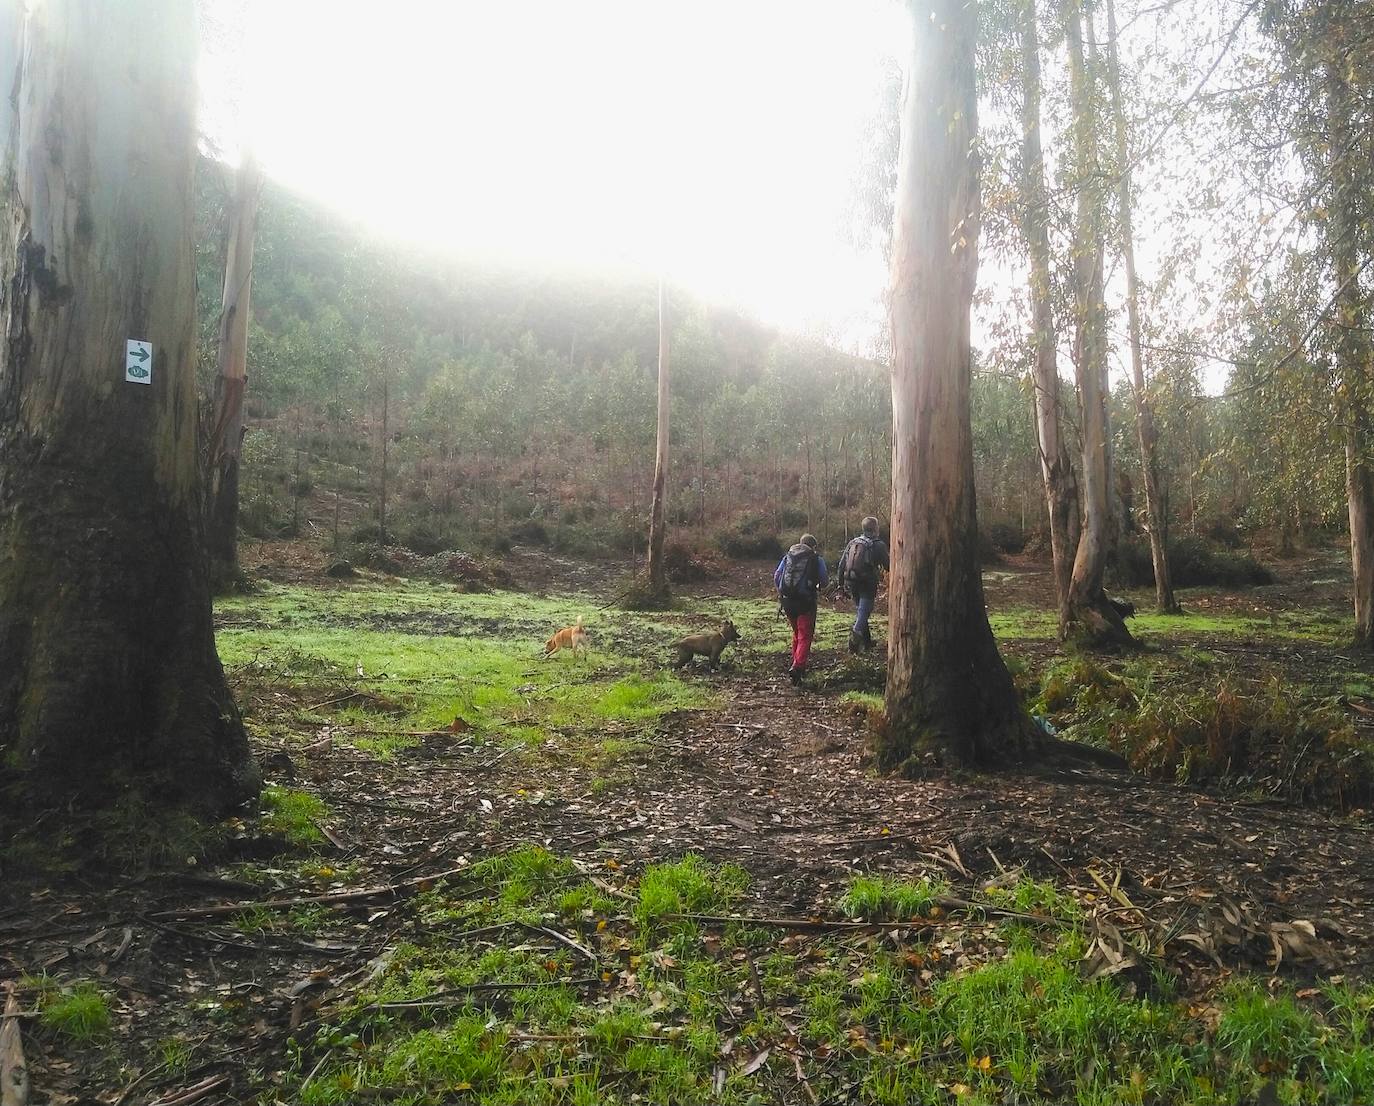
[717, 140]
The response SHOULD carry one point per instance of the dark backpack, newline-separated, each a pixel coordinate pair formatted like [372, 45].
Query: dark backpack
[798, 570]
[858, 565]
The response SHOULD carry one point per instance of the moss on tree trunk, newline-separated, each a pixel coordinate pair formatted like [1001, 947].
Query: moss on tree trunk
[109, 679]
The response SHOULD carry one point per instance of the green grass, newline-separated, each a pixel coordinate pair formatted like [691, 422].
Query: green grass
[429, 655]
[689, 886]
[869, 701]
[877, 898]
[293, 814]
[80, 1013]
[176, 1055]
[987, 1012]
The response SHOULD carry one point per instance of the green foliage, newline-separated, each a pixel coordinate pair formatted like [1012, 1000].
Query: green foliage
[1193, 562]
[1214, 728]
[750, 538]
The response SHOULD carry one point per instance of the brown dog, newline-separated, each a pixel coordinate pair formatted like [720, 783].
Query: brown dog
[708, 645]
[572, 637]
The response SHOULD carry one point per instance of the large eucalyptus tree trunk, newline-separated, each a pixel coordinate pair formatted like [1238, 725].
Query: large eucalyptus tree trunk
[1355, 352]
[1056, 464]
[1096, 619]
[949, 696]
[1146, 436]
[658, 574]
[231, 379]
[109, 680]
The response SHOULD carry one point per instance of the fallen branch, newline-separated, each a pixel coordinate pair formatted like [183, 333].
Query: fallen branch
[14, 1072]
[461, 994]
[331, 702]
[204, 1089]
[335, 898]
[820, 925]
[219, 940]
[563, 939]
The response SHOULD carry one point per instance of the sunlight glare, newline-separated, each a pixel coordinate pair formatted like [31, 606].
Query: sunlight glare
[715, 141]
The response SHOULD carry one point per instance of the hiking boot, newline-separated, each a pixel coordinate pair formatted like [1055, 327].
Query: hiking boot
[796, 674]
[856, 642]
[868, 638]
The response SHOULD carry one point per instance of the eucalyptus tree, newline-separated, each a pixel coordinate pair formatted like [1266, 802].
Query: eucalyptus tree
[1146, 434]
[1321, 103]
[109, 679]
[657, 569]
[1056, 463]
[949, 695]
[1096, 619]
[224, 438]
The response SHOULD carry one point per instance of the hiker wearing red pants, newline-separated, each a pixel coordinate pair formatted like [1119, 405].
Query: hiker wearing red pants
[799, 577]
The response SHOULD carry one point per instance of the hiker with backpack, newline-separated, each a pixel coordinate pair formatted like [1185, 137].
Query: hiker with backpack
[799, 577]
[858, 572]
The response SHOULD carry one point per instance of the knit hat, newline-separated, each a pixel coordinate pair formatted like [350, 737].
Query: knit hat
[809, 539]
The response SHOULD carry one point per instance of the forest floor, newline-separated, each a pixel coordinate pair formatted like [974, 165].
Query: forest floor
[481, 876]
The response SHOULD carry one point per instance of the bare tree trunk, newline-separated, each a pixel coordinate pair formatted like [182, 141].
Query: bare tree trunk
[1056, 465]
[1097, 620]
[381, 514]
[1355, 356]
[296, 479]
[1144, 416]
[231, 379]
[110, 687]
[658, 574]
[701, 469]
[949, 696]
[825, 492]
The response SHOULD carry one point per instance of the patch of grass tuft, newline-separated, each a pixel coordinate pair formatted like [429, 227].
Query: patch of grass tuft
[293, 815]
[80, 1013]
[689, 886]
[880, 897]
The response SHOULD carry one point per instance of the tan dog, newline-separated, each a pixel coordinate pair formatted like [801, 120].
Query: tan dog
[708, 645]
[572, 637]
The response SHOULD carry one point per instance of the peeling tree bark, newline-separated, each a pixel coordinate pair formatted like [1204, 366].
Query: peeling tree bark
[1096, 619]
[949, 696]
[658, 574]
[226, 427]
[1146, 436]
[109, 680]
[1056, 464]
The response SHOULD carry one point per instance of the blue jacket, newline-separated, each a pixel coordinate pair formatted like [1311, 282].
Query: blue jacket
[823, 577]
